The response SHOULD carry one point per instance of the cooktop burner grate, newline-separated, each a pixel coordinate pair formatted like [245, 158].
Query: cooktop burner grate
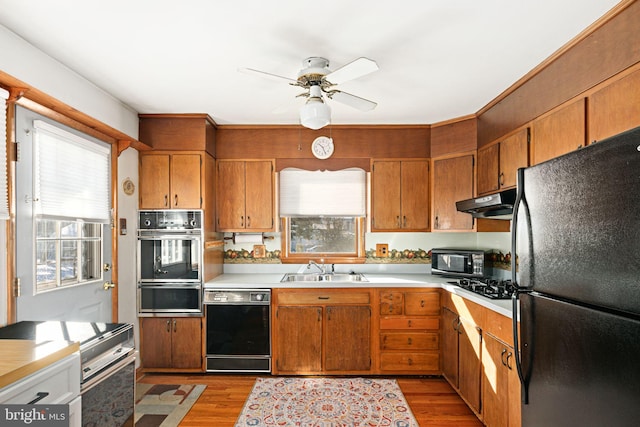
[490, 288]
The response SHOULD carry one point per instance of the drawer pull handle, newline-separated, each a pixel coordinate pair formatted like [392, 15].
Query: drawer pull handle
[324, 297]
[409, 323]
[422, 303]
[410, 362]
[409, 341]
[41, 395]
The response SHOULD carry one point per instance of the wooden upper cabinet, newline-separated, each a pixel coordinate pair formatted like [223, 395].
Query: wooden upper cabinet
[185, 181]
[400, 195]
[245, 195]
[615, 108]
[559, 132]
[170, 181]
[453, 180]
[498, 163]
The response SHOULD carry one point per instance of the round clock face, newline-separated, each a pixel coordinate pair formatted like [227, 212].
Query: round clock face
[322, 147]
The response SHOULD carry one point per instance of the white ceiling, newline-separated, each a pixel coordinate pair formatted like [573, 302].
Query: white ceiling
[438, 59]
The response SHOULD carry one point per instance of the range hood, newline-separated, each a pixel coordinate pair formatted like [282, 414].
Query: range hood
[493, 206]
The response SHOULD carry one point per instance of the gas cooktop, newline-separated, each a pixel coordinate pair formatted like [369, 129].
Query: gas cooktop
[490, 288]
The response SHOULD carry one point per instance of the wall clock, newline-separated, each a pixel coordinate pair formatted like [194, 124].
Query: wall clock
[322, 147]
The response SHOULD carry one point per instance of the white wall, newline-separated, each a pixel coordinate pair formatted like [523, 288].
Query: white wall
[25, 62]
[127, 209]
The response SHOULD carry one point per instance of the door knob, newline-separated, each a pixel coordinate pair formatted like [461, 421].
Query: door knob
[107, 285]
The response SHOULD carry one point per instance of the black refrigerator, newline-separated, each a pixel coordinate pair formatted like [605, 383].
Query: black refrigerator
[576, 237]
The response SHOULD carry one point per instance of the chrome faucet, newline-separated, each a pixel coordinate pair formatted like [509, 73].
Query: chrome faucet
[319, 267]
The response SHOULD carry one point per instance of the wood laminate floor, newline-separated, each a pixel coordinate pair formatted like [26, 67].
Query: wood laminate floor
[432, 400]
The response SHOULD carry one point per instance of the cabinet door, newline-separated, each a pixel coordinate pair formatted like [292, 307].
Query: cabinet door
[559, 133]
[155, 342]
[259, 190]
[515, 398]
[495, 394]
[452, 181]
[469, 363]
[154, 181]
[298, 339]
[415, 195]
[348, 338]
[186, 343]
[385, 195]
[489, 169]
[185, 181]
[450, 346]
[615, 108]
[514, 154]
[231, 195]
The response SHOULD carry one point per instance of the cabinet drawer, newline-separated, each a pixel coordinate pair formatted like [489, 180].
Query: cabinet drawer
[59, 383]
[432, 323]
[324, 298]
[426, 361]
[391, 302]
[422, 303]
[409, 341]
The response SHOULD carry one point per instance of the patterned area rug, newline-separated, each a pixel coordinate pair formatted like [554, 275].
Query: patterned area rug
[164, 405]
[326, 402]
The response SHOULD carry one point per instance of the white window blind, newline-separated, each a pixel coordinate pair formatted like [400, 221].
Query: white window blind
[4, 194]
[72, 175]
[323, 193]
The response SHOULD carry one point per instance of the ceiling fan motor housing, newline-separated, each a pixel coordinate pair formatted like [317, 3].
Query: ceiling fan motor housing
[313, 73]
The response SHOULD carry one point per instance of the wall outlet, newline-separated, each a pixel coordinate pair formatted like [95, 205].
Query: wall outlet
[382, 250]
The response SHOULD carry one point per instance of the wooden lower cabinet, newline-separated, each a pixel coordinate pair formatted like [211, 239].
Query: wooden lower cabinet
[500, 384]
[469, 363]
[409, 331]
[171, 344]
[298, 331]
[450, 346]
[478, 361]
[321, 331]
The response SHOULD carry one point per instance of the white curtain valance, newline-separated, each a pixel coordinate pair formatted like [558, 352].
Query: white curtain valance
[4, 193]
[72, 175]
[323, 193]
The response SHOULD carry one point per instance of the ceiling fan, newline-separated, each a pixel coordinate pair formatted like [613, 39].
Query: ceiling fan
[319, 81]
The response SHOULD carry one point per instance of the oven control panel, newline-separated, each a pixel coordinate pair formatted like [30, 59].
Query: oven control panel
[237, 296]
[170, 220]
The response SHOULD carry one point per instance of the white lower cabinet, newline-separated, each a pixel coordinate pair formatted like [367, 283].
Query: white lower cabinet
[57, 384]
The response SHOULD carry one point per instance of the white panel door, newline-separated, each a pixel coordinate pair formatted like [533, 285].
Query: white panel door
[88, 301]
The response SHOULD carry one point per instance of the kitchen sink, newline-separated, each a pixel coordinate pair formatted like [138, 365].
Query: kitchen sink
[329, 277]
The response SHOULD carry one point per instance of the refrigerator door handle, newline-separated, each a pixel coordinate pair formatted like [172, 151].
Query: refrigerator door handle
[520, 199]
[514, 225]
[516, 347]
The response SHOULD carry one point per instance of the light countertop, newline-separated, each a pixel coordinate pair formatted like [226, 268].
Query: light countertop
[20, 358]
[272, 281]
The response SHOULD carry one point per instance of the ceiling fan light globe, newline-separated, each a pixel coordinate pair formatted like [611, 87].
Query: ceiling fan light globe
[315, 114]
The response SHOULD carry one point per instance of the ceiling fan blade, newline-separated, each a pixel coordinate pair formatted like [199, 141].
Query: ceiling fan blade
[268, 75]
[357, 68]
[352, 100]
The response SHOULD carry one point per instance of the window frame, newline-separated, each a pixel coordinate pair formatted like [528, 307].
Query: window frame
[357, 257]
[59, 282]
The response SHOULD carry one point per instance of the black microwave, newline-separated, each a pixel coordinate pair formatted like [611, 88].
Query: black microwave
[458, 262]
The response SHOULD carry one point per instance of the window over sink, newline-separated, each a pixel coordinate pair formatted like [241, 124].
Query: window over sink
[323, 215]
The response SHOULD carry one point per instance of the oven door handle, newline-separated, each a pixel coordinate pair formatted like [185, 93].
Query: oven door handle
[98, 378]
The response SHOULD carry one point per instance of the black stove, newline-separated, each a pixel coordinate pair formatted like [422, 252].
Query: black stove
[490, 288]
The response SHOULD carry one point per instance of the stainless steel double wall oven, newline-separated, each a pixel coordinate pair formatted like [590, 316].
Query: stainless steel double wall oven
[170, 247]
